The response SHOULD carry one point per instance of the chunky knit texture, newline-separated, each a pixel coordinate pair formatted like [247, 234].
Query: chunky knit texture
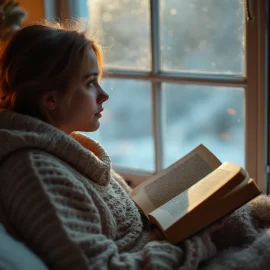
[244, 241]
[59, 195]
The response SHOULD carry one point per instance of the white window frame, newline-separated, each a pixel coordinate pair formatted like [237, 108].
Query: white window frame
[255, 84]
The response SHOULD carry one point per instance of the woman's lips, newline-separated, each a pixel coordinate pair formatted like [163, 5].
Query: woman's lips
[98, 114]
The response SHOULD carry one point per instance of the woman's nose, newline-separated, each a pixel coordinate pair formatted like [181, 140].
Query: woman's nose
[103, 97]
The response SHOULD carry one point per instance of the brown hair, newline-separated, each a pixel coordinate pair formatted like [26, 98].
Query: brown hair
[40, 58]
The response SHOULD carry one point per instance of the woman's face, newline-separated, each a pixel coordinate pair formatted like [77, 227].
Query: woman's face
[84, 108]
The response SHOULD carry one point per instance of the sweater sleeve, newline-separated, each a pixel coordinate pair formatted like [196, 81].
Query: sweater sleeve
[60, 224]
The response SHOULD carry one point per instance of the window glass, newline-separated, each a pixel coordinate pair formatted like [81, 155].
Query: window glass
[126, 126]
[213, 116]
[202, 36]
[123, 27]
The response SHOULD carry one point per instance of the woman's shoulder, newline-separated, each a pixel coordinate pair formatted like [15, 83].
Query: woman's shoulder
[32, 162]
[30, 155]
[34, 170]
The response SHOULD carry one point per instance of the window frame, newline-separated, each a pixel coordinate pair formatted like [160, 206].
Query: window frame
[255, 84]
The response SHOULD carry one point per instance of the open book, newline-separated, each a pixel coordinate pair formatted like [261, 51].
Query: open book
[193, 193]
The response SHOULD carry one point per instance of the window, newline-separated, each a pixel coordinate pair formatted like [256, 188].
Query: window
[180, 73]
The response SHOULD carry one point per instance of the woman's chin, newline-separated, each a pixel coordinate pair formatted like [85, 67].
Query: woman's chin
[94, 127]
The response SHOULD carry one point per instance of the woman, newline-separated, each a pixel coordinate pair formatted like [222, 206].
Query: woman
[58, 192]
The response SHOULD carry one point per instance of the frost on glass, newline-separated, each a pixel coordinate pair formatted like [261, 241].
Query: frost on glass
[213, 116]
[202, 36]
[123, 27]
[126, 126]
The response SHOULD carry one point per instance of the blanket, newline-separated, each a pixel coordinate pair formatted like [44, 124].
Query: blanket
[244, 240]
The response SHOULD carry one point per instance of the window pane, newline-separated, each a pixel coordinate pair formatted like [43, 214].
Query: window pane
[126, 127]
[202, 36]
[123, 27]
[213, 116]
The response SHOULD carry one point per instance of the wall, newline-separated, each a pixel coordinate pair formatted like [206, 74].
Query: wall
[34, 8]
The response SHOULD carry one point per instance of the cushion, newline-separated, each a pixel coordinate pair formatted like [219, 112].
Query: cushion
[14, 255]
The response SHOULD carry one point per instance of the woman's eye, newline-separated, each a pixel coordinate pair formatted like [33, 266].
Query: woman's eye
[91, 82]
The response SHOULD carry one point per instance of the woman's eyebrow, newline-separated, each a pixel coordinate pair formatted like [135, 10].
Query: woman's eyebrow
[90, 74]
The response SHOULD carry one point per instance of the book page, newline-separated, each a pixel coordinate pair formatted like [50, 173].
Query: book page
[218, 183]
[177, 178]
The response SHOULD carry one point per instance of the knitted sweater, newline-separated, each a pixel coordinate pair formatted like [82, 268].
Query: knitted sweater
[59, 195]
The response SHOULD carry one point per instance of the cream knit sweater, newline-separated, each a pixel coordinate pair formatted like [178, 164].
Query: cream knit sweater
[59, 195]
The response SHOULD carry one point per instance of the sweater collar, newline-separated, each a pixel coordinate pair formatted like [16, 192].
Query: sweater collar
[19, 131]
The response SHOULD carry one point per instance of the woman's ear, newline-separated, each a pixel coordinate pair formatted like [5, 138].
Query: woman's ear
[49, 100]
